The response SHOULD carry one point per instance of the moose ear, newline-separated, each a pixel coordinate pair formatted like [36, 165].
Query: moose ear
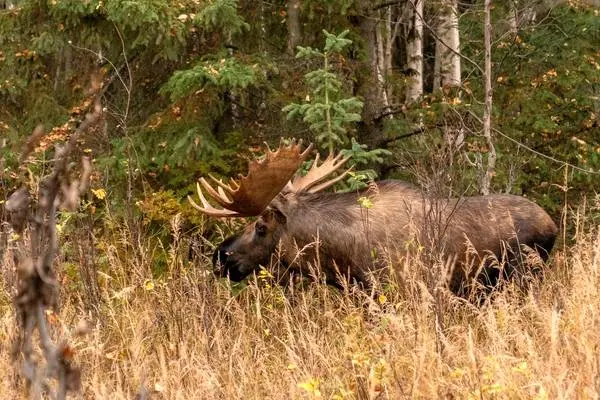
[274, 214]
[279, 216]
[277, 209]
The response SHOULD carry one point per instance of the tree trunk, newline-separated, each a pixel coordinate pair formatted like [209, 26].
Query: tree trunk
[513, 20]
[368, 82]
[7, 4]
[293, 26]
[381, 35]
[487, 107]
[447, 47]
[389, 40]
[414, 49]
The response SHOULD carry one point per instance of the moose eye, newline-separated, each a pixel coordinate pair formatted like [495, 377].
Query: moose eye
[261, 230]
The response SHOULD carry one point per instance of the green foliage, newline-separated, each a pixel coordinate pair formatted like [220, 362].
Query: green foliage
[359, 155]
[221, 68]
[141, 23]
[326, 111]
[329, 114]
[551, 103]
[49, 49]
[546, 84]
[336, 43]
[160, 207]
[184, 150]
[222, 15]
[224, 73]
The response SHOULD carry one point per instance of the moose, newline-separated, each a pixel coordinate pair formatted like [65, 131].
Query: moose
[356, 235]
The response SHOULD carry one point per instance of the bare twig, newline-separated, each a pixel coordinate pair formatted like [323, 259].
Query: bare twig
[386, 4]
[37, 288]
[524, 146]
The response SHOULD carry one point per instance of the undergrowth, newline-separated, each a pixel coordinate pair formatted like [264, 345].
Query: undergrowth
[183, 334]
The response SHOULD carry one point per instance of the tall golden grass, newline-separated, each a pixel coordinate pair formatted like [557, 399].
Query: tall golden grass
[186, 335]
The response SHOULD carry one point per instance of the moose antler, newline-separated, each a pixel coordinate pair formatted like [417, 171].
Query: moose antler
[317, 173]
[265, 179]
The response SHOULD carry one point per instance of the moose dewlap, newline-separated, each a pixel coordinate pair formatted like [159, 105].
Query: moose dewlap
[346, 239]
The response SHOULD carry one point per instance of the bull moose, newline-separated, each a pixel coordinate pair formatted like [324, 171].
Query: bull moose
[357, 235]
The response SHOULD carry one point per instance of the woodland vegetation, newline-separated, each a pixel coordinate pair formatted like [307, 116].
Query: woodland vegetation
[107, 292]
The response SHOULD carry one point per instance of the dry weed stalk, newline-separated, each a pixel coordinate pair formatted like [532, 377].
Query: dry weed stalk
[33, 219]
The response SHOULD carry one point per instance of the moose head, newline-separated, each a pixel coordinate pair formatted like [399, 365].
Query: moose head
[269, 192]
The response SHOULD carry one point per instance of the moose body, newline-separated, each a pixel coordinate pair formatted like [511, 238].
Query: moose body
[359, 235]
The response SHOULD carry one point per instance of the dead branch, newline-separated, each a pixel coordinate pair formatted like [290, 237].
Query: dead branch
[34, 218]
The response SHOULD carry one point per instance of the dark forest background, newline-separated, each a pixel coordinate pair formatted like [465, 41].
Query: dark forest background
[191, 87]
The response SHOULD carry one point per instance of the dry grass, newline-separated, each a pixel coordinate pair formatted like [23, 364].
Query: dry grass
[186, 336]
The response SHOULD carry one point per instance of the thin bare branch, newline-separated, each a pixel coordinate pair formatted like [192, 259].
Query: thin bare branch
[37, 287]
[531, 150]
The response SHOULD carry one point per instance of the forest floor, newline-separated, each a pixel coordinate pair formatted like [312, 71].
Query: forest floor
[187, 335]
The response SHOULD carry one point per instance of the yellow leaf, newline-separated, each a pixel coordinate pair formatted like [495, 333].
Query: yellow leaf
[149, 284]
[541, 394]
[521, 367]
[264, 274]
[311, 386]
[494, 388]
[99, 193]
[360, 360]
[365, 202]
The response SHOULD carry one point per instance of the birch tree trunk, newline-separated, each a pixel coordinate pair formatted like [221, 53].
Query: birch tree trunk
[487, 107]
[7, 4]
[293, 26]
[447, 47]
[390, 37]
[513, 20]
[414, 49]
[382, 29]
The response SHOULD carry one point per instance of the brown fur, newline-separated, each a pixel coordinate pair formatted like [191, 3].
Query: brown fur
[355, 240]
